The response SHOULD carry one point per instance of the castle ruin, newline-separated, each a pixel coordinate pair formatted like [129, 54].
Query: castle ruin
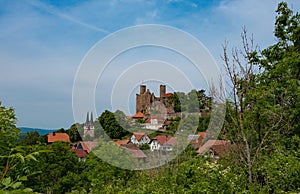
[148, 103]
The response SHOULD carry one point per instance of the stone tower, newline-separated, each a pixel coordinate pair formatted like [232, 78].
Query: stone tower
[146, 100]
[143, 100]
[162, 89]
[88, 128]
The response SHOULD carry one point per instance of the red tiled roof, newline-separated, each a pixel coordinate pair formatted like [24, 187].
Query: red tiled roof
[165, 140]
[168, 95]
[88, 145]
[221, 150]
[134, 150]
[53, 137]
[122, 142]
[138, 115]
[138, 135]
[80, 153]
[216, 143]
[202, 134]
[131, 146]
[138, 154]
[196, 140]
[172, 141]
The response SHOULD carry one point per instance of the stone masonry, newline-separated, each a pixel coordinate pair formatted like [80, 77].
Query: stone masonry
[147, 103]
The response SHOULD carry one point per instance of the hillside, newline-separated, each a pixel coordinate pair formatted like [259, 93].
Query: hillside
[40, 131]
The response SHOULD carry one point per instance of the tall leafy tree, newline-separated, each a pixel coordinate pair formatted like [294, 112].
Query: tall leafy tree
[111, 126]
[281, 67]
[264, 106]
[74, 133]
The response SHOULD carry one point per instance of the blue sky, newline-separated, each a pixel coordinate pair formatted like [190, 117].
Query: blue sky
[44, 42]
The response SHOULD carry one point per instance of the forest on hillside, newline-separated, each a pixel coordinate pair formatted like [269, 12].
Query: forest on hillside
[262, 122]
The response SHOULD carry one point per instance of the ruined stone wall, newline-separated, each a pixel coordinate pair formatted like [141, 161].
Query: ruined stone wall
[145, 101]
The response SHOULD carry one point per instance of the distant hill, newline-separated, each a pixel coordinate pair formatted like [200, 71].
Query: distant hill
[40, 131]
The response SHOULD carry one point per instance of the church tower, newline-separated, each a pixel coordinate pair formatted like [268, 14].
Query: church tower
[88, 128]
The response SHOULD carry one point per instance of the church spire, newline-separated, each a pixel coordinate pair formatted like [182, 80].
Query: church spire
[87, 118]
[91, 122]
[88, 128]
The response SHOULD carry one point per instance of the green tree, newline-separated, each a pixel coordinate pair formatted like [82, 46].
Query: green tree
[110, 125]
[121, 119]
[74, 133]
[281, 66]
[264, 109]
[31, 138]
[9, 133]
[11, 155]
[175, 101]
[54, 164]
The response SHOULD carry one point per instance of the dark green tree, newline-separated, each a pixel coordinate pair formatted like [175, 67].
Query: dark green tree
[110, 125]
[74, 134]
[31, 138]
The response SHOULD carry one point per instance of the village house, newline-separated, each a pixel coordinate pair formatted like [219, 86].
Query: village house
[82, 148]
[154, 122]
[54, 136]
[196, 139]
[139, 138]
[164, 143]
[122, 142]
[87, 146]
[215, 148]
[138, 115]
[80, 154]
[135, 151]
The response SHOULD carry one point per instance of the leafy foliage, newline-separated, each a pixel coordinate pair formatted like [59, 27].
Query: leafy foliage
[111, 126]
[194, 101]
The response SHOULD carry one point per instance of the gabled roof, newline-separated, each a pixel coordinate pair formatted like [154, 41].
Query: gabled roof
[165, 140]
[196, 139]
[122, 142]
[134, 150]
[139, 135]
[88, 145]
[216, 144]
[54, 136]
[131, 146]
[172, 141]
[138, 154]
[138, 115]
[161, 139]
